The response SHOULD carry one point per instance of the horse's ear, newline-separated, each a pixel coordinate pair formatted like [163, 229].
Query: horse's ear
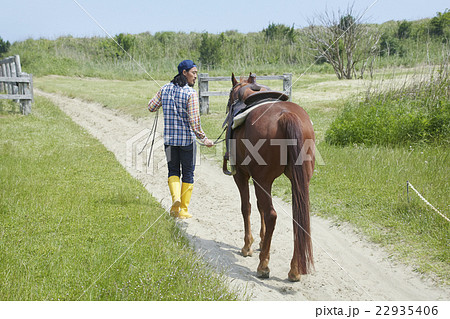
[233, 80]
[251, 78]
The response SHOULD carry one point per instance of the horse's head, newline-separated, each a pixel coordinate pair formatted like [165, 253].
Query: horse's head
[243, 89]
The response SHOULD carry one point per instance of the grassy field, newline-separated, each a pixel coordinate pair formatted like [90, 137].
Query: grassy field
[365, 186]
[74, 225]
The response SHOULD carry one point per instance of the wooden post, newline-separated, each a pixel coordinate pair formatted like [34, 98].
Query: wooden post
[1, 74]
[15, 71]
[203, 89]
[8, 74]
[25, 105]
[17, 63]
[5, 86]
[287, 84]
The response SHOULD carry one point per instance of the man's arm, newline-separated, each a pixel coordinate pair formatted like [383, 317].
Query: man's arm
[155, 103]
[194, 119]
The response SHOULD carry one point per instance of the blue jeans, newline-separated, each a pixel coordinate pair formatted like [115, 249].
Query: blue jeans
[181, 161]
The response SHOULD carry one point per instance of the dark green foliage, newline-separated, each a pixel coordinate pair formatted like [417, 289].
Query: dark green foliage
[440, 24]
[211, 49]
[346, 23]
[4, 46]
[117, 47]
[406, 39]
[413, 113]
[404, 29]
[390, 45]
[126, 41]
[279, 31]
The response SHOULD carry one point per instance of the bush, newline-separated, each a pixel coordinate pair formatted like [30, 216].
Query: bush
[414, 113]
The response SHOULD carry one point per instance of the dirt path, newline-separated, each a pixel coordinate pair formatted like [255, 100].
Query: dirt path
[347, 266]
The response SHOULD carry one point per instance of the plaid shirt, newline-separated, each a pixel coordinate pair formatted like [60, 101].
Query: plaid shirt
[181, 114]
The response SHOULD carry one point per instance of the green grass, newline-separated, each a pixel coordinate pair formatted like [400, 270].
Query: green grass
[69, 210]
[367, 187]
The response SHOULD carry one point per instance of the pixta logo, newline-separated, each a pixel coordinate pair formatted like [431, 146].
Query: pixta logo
[138, 154]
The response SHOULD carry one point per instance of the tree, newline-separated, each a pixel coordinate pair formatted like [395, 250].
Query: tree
[404, 29]
[126, 41]
[279, 31]
[117, 47]
[344, 42]
[4, 46]
[211, 49]
[440, 23]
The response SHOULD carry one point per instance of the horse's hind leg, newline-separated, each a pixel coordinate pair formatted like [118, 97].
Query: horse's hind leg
[242, 184]
[294, 273]
[263, 195]
[262, 231]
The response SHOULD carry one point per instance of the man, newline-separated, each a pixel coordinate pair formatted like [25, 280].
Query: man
[181, 126]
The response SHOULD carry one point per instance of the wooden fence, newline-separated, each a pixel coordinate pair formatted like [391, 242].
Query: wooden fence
[15, 84]
[204, 94]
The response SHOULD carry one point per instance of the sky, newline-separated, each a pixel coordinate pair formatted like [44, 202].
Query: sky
[53, 18]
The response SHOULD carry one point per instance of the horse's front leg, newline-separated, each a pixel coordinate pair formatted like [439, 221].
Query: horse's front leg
[269, 215]
[242, 183]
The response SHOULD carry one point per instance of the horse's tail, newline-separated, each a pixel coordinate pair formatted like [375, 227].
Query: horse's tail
[300, 192]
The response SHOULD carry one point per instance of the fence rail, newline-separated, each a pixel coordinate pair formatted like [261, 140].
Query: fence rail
[15, 84]
[204, 93]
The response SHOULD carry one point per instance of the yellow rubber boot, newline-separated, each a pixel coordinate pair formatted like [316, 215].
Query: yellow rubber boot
[186, 193]
[175, 191]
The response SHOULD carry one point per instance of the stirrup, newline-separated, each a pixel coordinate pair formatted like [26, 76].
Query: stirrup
[225, 168]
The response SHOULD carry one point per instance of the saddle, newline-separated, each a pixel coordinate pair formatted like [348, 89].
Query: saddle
[250, 102]
[241, 107]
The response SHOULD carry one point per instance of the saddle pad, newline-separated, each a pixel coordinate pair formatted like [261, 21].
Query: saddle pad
[240, 118]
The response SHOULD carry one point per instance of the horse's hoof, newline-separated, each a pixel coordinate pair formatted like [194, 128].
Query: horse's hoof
[294, 277]
[263, 273]
[246, 252]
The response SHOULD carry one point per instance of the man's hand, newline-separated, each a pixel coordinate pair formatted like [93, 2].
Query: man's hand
[208, 142]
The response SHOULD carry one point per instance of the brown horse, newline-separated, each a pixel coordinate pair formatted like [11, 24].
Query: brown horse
[276, 138]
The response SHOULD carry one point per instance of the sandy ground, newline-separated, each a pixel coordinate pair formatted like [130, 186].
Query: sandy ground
[347, 267]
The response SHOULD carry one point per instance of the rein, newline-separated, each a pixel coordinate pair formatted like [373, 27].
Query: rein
[155, 125]
[152, 136]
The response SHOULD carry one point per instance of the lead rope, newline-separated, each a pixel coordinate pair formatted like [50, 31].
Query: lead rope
[152, 132]
[217, 141]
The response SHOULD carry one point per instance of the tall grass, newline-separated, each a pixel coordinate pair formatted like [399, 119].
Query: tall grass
[399, 115]
[157, 54]
[69, 210]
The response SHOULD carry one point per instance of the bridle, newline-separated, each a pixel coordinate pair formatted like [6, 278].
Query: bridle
[231, 104]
